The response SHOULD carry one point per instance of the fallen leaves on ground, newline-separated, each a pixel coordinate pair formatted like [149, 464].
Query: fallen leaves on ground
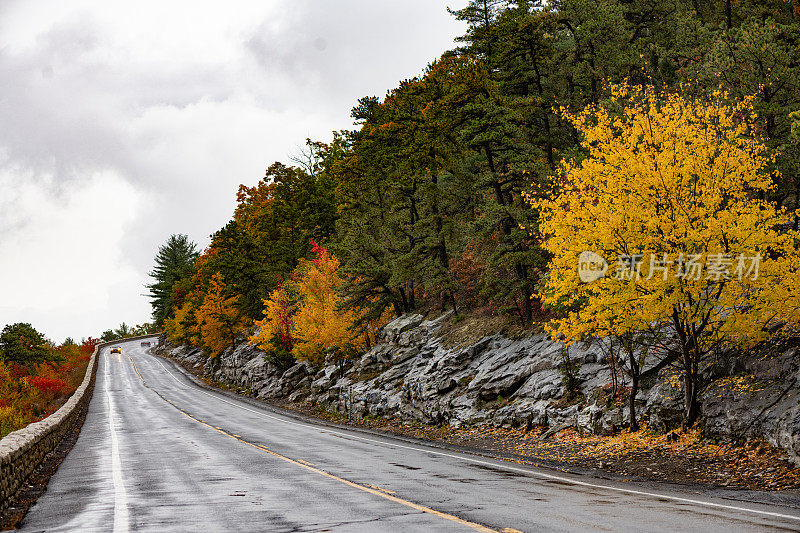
[677, 456]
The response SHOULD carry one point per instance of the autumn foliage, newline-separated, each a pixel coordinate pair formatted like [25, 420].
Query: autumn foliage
[306, 317]
[475, 186]
[669, 196]
[211, 319]
[30, 394]
[218, 318]
[275, 333]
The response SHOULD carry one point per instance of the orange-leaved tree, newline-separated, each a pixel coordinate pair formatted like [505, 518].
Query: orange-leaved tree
[218, 318]
[322, 326]
[275, 333]
[305, 318]
[187, 294]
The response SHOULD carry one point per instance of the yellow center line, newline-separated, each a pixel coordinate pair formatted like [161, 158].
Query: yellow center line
[388, 495]
[380, 489]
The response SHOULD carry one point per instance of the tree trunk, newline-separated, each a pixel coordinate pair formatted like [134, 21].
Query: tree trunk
[498, 190]
[545, 108]
[367, 341]
[448, 298]
[403, 300]
[612, 361]
[632, 403]
[340, 366]
[690, 399]
[634, 373]
[527, 309]
[690, 385]
[728, 14]
[689, 361]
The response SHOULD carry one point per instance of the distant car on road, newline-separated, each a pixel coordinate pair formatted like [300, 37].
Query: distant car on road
[116, 349]
[146, 344]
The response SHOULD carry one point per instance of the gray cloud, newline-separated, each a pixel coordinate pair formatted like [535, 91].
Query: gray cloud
[148, 106]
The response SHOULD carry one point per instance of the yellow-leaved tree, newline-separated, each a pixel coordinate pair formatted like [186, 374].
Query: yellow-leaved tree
[219, 320]
[666, 219]
[181, 328]
[305, 316]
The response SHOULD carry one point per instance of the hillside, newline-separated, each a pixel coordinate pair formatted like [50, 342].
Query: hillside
[415, 375]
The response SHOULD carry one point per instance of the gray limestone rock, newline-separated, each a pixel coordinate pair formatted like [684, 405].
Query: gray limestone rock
[509, 383]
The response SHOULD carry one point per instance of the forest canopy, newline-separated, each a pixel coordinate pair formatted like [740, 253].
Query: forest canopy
[442, 197]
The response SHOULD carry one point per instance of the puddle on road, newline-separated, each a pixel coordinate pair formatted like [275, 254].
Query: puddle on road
[456, 479]
[560, 483]
[407, 467]
[496, 470]
[217, 479]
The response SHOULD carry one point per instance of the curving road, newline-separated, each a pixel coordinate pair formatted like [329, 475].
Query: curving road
[159, 453]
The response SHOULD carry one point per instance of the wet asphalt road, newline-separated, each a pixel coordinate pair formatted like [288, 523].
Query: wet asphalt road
[159, 453]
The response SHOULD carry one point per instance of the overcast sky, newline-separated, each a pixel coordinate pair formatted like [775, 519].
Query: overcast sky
[124, 122]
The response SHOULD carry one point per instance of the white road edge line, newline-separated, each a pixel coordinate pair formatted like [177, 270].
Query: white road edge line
[496, 465]
[121, 517]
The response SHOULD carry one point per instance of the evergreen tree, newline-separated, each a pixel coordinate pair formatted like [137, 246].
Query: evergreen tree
[22, 344]
[174, 261]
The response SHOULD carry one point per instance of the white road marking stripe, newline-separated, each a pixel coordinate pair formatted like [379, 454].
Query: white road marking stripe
[121, 517]
[496, 465]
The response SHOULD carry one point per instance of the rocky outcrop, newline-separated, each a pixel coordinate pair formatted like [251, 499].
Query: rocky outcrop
[505, 382]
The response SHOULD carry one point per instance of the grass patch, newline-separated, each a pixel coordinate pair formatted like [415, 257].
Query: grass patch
[365, 376]
[467, 329]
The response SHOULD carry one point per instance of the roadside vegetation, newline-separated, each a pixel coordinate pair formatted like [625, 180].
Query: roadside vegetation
[661, 136]
[36, 376]
[124, 331]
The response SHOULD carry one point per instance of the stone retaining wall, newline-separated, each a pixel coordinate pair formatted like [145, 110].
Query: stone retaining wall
[22, 450]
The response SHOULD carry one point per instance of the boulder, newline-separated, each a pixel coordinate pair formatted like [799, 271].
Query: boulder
[393, 330]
